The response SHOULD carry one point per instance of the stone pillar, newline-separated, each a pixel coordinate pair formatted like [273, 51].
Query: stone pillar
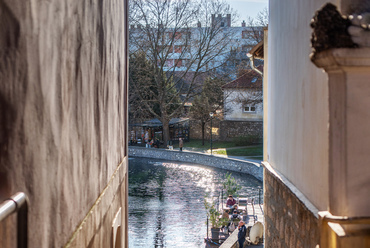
[348, 72]
[348, 7]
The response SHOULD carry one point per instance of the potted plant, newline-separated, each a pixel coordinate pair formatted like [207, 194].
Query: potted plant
[224, 222]
[213, 217]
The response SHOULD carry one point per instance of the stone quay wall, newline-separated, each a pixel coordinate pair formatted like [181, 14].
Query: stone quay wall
[290, 219]
[233, 129]
[237, 165]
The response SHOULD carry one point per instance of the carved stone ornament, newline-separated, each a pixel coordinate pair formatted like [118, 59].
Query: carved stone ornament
[330, 30]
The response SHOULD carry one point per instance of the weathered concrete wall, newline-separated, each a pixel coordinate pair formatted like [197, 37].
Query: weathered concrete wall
[290, 219]
[233, 129]
[250, 168]
[63, 117]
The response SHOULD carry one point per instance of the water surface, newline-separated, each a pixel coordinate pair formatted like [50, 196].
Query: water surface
[166, 201]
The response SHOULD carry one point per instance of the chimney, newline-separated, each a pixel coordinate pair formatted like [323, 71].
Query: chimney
[199, 25]
[243, 24]
[228, 18]
[213, 20]
[219, 15]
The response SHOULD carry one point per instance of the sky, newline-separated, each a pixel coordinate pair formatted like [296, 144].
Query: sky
[247, 8]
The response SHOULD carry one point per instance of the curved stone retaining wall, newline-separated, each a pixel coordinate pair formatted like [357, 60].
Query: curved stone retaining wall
[237, 165]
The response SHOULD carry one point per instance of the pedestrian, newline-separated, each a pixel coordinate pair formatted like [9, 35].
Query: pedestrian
[147, 139]
[181, 143]
[241, 234]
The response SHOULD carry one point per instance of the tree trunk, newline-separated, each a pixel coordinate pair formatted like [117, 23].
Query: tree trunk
[166, 131]
[203, 125]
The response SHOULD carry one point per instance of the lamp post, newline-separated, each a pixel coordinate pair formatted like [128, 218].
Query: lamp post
[211, 115]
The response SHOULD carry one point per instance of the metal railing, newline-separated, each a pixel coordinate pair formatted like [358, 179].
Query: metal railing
[17, 203]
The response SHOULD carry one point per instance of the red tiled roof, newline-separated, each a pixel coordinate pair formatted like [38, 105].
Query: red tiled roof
[249, 80]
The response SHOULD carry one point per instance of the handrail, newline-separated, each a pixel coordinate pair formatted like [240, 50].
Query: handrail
[17, 203]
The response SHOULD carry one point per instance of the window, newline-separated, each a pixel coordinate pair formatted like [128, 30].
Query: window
[245, 34]
[178, 62]
[247, 108]
[169, 62]
[177, 35]
[178, 49]
[246, 48]
[186, 62]
[169, 35]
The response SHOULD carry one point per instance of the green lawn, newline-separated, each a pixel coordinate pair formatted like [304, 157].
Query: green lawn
[246, 151]
[228, 148]
[207, 144]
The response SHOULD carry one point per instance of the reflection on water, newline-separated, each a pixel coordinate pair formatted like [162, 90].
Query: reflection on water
[166, 201]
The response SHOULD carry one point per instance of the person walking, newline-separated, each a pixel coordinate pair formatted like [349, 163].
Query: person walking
[181, 143]
[241, 234]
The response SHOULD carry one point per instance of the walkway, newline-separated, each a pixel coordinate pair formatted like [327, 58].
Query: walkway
[251, 159]
[232, 163]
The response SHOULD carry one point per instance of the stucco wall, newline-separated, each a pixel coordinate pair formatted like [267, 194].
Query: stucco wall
[298, 103]
[62, 115]
[234, 105]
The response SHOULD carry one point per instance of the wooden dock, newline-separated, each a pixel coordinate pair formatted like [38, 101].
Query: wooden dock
[254, 214]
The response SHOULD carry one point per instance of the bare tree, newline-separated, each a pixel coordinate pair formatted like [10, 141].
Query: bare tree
[183, 40]
[250, 95]
[256, 25]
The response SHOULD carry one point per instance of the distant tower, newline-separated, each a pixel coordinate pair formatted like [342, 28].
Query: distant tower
[221, 21]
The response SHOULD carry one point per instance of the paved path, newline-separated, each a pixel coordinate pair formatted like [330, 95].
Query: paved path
[251, 159]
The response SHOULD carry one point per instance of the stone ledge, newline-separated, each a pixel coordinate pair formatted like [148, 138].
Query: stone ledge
[335, 59]
[236, 165]
[231, 241]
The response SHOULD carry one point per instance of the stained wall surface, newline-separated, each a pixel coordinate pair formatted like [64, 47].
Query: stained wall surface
[297, 101]
[63, 117]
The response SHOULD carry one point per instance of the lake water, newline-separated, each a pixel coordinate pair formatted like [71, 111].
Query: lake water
[166, 206]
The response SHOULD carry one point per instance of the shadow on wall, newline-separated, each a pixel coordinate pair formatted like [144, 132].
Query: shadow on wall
[9, 41]
[6, 121]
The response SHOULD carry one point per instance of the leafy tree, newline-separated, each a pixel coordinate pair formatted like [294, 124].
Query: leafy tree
[139, 71]
[143, 89]
[210, 100]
